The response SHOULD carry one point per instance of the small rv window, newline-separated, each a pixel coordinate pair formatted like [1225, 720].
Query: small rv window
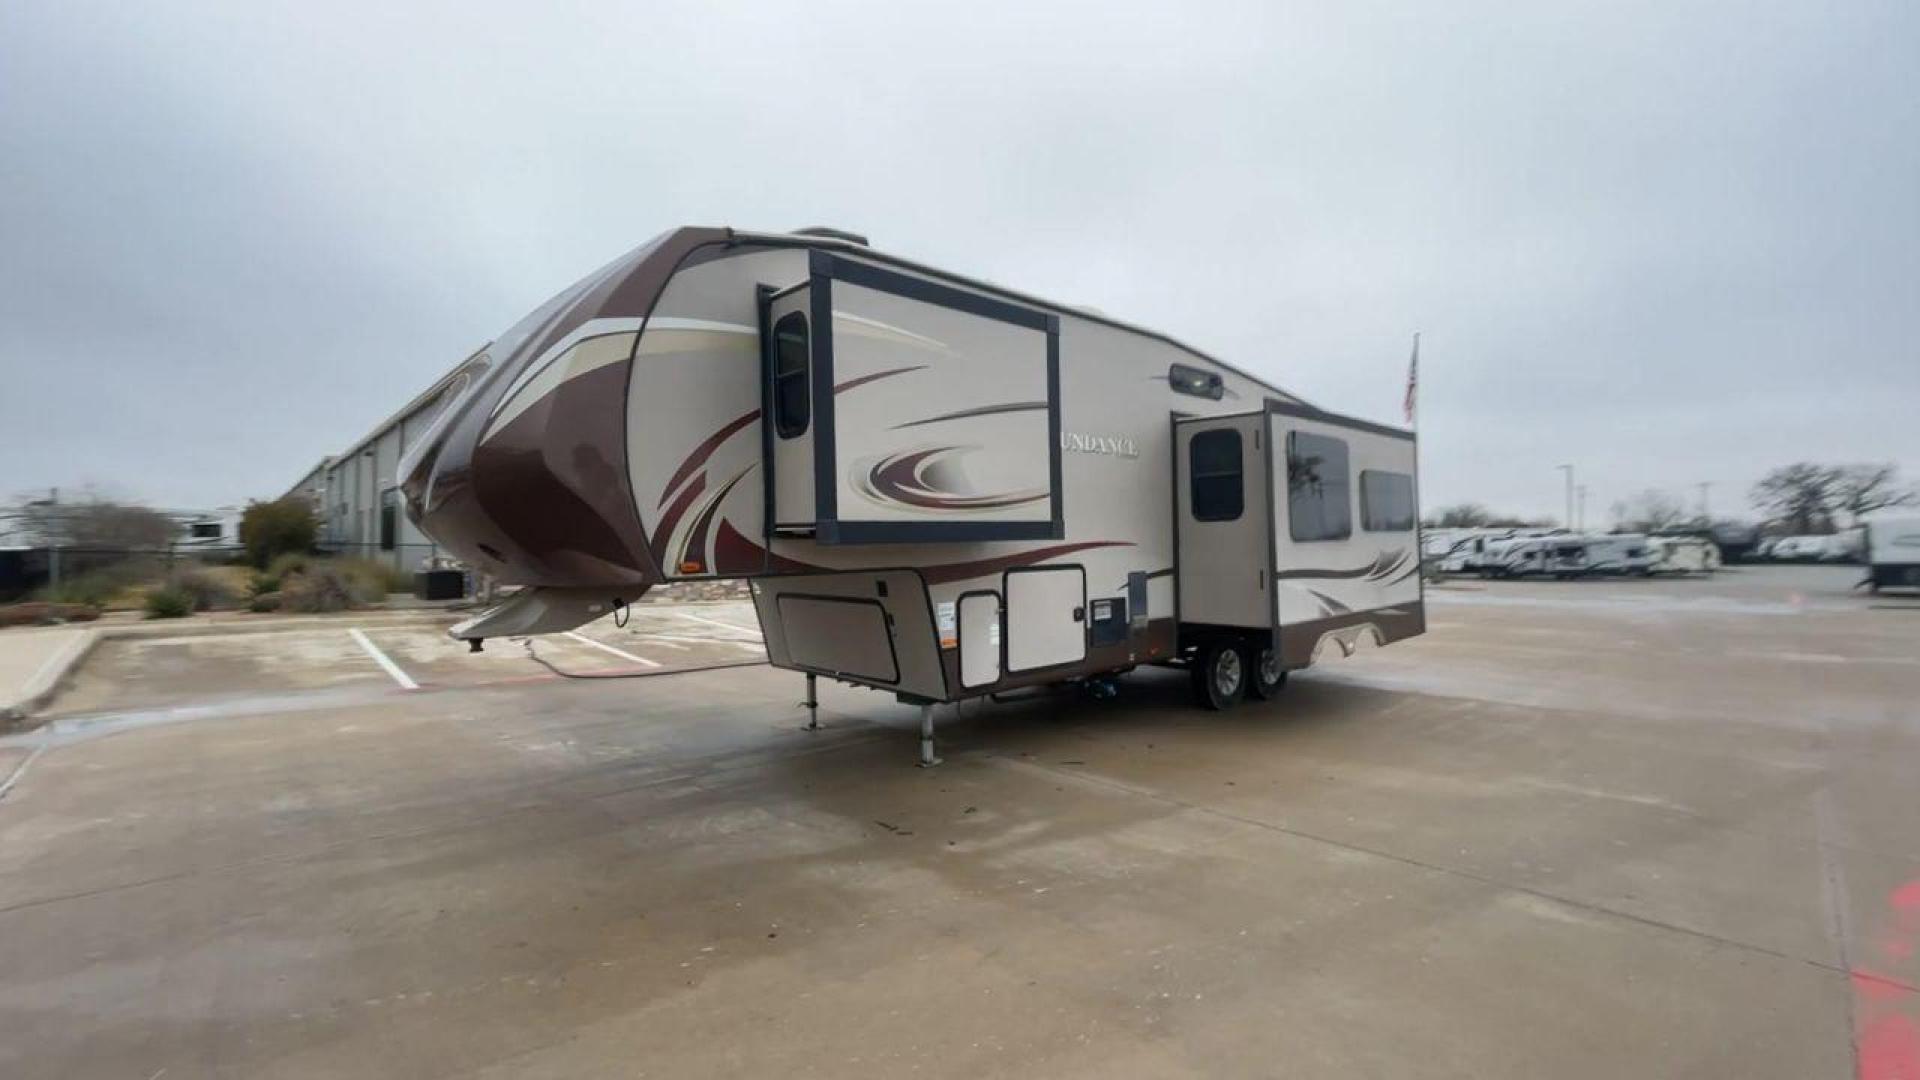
[1213, 474]
[792, 398]
[1386, 501]
[1318, 504]
[1190, 380]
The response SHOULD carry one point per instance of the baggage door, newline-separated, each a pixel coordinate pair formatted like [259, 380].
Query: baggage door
[1225, 521]
[1046, 617]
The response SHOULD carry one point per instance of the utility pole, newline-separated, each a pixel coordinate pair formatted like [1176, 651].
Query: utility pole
[1582, 519]
[1568, 469]
[1705, 486]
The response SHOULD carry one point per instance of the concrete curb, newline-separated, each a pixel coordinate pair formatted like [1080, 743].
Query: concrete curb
[46, 682]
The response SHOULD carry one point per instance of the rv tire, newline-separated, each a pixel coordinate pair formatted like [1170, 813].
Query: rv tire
[1220, 675]
[1269, 678]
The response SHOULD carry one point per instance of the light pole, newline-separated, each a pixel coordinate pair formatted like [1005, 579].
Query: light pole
[1581, 518]
[1568, 469]
[1705, 486]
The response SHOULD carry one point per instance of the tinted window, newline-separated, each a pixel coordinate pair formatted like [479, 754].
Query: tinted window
[1213, 475]
[1319, 506]
[1191, 380]
[1386, 501]
[792, 397]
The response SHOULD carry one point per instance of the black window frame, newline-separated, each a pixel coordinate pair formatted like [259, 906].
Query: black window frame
[1295, 486]
[1195, 476]
[1196, 382]
[206, 530]
[785, 425]
[1368, 521]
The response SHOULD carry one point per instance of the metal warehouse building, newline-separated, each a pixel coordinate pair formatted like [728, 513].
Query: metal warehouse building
[356, 493]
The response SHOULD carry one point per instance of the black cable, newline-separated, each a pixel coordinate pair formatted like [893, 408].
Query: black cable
[622, 613]
[538, 659]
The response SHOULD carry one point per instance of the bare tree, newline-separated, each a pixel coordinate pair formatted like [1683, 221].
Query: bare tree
[1462, 516]
[1798, 497]
[1862, 489]
[92, 523]
[1651, 511]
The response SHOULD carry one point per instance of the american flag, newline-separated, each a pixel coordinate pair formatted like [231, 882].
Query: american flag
[1413, 379]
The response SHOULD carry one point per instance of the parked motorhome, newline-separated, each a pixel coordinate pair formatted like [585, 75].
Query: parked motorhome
[1682, 555]
[1569, 555]
[939, 487]
[1798, 549]
[1893, 552]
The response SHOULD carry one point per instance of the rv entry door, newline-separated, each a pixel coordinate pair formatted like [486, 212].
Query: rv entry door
[1225, 533]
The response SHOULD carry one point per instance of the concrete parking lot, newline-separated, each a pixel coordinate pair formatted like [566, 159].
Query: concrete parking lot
[1587, 829]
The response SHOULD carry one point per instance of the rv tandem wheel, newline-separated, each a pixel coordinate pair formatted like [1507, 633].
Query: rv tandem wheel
[1220, 674]
[1268, 677]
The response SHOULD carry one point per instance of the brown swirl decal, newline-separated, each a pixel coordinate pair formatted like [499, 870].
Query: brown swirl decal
[927, 478]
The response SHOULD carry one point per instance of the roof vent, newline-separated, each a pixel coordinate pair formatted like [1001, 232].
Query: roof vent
[833, 234]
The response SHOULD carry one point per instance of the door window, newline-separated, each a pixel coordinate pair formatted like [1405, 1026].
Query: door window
[792, 397]
[1214, 475]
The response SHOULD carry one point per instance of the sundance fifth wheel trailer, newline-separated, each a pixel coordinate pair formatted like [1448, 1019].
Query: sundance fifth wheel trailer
[939, 487]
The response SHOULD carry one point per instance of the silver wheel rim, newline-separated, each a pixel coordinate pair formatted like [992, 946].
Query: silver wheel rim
[1269, 667]
[1226, 673]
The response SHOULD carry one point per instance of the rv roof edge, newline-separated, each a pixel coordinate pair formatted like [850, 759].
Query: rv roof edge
[833, 234]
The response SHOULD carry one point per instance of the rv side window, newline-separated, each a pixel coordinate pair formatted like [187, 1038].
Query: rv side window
[1190, 380]
[1213, 474]
[792, 400]
[1386, 501]
[1318, 504]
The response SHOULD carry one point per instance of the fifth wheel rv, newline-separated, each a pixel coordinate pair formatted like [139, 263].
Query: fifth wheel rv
[939, 487]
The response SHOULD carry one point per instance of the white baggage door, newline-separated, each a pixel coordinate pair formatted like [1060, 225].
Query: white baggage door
[979, 637]
[1046, 617]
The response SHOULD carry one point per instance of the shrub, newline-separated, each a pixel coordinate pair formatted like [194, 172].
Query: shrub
[207, 590]
[279, 527]
[93, 589]
[169, 603]
[320, 588]
[375, 579]
[266, 601]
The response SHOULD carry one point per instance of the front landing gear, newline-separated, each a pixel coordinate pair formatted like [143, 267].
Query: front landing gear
[927, 757]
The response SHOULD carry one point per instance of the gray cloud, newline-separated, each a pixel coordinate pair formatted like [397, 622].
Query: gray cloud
[1667, 245]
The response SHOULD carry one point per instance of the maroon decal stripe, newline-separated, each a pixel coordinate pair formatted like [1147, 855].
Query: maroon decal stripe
[704, 451]
[940, 575]
[841, 388]
[735, 554]
[674, 513]
[696, 545]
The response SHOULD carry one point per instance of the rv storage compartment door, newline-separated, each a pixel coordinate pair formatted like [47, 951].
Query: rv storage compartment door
[979, 639]
[1046, 617]
[840, 636]
[1225, 525]
[935, 413]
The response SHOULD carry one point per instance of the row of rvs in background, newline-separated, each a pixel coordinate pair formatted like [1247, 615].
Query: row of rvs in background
[1889, 545]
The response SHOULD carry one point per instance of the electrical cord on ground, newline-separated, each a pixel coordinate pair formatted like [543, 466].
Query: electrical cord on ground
[651, 673]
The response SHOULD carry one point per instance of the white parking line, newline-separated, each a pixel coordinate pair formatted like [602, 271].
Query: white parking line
[585, 640]
[380, 658]
[716, 622]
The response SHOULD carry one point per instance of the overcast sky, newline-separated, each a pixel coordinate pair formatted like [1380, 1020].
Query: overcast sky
[1668, 243]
